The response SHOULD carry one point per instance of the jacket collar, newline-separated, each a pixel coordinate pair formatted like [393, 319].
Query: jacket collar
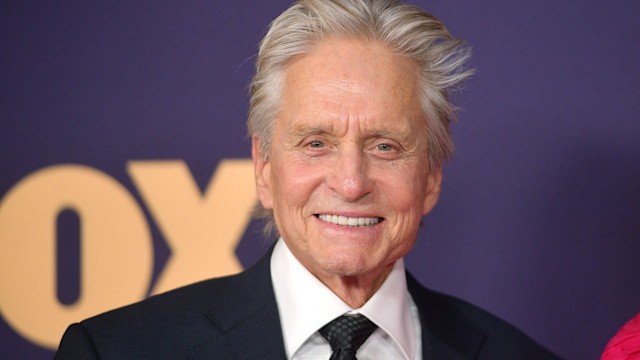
[245, 312]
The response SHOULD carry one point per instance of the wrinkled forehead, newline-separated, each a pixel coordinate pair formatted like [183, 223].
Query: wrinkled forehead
[358, 65]
[341, 81]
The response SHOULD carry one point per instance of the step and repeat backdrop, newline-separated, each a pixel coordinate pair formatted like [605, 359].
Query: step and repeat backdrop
[125, 168]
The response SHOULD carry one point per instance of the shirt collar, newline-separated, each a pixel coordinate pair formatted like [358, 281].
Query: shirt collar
[305, 304]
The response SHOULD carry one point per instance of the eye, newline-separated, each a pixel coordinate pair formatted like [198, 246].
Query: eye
[384, 147]
[316, 144]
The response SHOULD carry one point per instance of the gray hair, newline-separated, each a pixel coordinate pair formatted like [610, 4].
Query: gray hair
[406, 29]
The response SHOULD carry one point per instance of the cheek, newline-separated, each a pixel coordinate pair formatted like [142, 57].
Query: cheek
[295, 181]
[405, 193]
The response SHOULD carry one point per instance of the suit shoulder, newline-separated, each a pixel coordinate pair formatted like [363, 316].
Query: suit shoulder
[450, 318]
[172, 324]
[224, 294]
[174, 303]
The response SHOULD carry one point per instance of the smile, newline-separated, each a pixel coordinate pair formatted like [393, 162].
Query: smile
[349, 221]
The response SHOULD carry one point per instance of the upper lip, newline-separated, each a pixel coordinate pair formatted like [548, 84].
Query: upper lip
[347, 214]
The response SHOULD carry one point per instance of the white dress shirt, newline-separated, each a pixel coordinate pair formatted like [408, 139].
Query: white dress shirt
[305, 305]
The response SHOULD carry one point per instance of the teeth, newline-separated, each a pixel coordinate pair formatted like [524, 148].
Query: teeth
[349, 221]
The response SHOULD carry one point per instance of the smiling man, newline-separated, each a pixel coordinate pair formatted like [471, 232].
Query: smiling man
[347, 173]
[349, 122]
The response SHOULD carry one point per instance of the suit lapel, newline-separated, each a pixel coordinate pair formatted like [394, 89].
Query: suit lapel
[247, 317]
[445, 333]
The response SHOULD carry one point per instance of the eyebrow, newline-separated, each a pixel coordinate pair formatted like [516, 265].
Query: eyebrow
[402, 136]
[303, 131]
[384, 133]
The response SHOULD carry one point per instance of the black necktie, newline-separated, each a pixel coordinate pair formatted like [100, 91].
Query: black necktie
[346, 334]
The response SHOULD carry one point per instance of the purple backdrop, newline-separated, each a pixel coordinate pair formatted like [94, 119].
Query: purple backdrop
[539, 219]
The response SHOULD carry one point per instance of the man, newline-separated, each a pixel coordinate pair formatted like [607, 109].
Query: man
[349, 124]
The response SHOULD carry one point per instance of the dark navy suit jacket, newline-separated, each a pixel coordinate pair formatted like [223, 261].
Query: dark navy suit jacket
[236, 317]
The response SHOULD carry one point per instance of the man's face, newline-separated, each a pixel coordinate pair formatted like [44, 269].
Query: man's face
[348, 175]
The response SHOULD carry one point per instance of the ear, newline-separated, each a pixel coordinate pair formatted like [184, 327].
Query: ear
[432, 194]
[262, 169]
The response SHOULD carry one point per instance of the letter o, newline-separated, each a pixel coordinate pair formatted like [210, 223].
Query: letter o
[115, 259]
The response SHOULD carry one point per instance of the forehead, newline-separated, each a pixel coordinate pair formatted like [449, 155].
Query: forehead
[350, 78]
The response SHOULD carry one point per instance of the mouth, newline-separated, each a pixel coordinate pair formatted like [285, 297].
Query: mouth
[349, 221]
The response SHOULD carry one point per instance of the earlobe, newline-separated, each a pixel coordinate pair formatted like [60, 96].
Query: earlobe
[262, 169]
[433, 191]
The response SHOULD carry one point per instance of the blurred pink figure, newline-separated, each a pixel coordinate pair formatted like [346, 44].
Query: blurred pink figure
[625, 345]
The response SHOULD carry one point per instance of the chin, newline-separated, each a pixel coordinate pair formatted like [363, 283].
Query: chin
[349, 265]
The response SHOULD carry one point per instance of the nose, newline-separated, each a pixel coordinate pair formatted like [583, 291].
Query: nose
[349, 177]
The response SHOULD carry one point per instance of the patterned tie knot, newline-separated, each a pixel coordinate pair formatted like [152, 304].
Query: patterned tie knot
[346, 334]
